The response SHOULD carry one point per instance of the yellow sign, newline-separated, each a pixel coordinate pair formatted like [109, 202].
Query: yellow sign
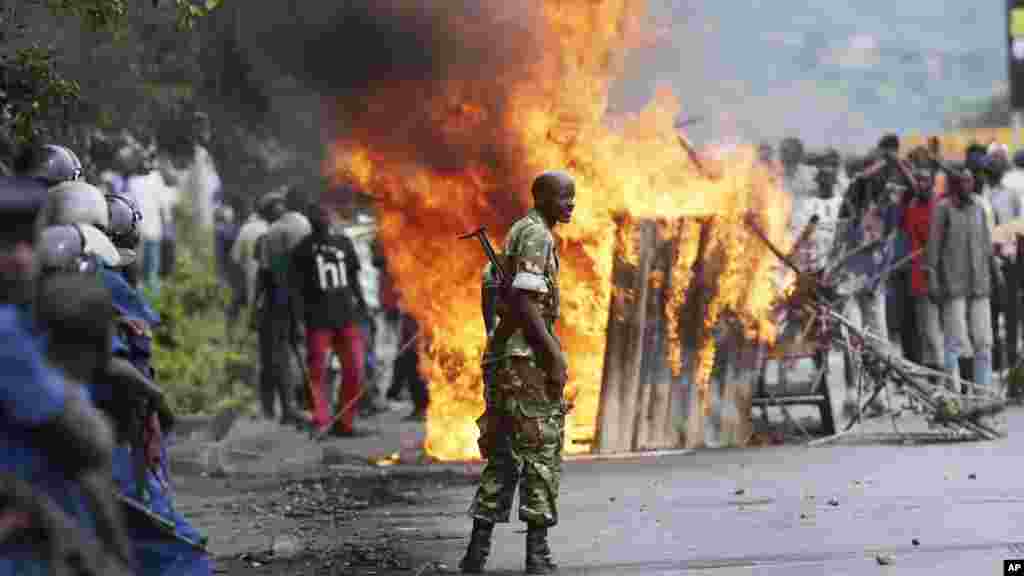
[1017, 23]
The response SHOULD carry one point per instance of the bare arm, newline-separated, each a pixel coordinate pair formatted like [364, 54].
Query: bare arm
[533, 326]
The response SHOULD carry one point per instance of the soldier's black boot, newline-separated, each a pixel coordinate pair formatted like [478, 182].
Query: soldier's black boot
[966, 372]
[538, 553]
[479, 548]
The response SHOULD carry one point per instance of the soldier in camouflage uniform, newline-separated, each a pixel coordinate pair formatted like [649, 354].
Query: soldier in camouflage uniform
[524, 377]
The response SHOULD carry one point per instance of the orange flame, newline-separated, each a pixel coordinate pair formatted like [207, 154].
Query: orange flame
[557, 120]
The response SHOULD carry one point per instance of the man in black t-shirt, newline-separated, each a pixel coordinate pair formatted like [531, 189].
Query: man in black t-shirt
[324, 272]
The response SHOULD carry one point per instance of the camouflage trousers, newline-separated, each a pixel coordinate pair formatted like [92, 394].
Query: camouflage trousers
[521, 436]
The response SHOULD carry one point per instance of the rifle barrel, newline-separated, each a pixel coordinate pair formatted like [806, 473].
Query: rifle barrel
[481, 235]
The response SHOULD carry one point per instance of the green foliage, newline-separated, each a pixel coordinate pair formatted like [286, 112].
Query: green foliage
[202, 369]
[189, 11]
[99, 15]
[35, 98]
[109, 15]
[33, 90]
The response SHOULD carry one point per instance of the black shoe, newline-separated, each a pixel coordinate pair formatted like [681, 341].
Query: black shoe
[538, 553]
[966, 366]
[479, 548]
[296, 419]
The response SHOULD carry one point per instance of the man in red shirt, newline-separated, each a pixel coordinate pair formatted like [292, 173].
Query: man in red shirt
[917, 212]
[324, 274]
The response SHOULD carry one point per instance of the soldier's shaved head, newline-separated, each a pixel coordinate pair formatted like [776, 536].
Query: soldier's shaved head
[550, 183]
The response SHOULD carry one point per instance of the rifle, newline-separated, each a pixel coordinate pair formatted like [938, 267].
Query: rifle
[481, 235]
[491, 294]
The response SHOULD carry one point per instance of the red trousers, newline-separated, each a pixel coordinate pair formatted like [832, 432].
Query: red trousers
[351, 350]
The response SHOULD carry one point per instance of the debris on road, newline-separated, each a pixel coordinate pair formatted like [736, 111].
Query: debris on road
[884, 559]
[972, 476]
[833, 501]
[915, 542]
[313, 523]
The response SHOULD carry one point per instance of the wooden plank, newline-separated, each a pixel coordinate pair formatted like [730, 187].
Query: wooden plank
[692, 326]
[660, 429]
[624, 349]
[606, 437]
[642, 315]
[636, 321]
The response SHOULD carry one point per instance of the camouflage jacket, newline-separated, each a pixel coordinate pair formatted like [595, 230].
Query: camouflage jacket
[532, 254]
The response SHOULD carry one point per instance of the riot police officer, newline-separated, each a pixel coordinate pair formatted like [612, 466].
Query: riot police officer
[49, 164]
[162, 540]
[56, 447]
[165, 541]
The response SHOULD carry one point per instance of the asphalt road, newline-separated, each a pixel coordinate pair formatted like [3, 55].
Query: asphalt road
[784, 510]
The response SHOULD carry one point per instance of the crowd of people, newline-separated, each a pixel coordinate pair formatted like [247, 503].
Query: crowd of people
[924, 246]
[297, 271]
[84, 481]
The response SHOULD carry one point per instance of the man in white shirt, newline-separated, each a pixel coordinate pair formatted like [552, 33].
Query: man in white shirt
[151, 194]
[243, 253]
[1007, 206]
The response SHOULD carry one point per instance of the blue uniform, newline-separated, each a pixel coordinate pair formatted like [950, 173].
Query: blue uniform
[155, 552]
[32, 394]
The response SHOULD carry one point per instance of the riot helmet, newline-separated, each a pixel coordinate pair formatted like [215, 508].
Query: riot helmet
[123, 230]
[75, 203]
[50, 164]
[74, 248]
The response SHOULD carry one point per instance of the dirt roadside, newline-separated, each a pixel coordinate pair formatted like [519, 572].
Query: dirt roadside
[287, 505]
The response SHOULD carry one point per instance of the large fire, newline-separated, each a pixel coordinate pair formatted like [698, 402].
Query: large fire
[553, 116]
